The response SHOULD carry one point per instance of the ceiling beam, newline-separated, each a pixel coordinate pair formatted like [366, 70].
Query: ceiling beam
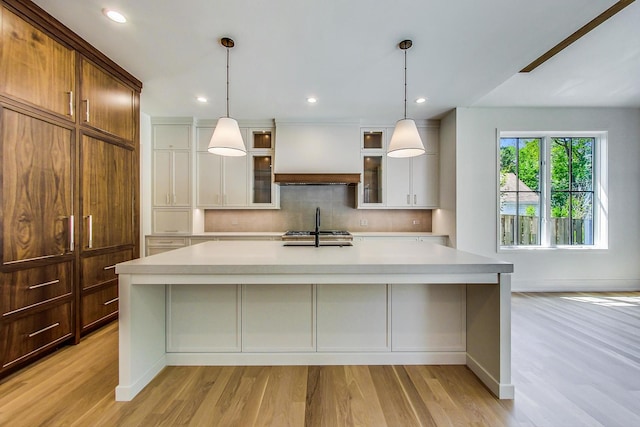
[617, 7]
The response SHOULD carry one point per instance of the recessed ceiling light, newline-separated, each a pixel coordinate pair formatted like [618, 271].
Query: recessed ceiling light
[202, 99]
[421, 100]
[114, 16]
[312, 100]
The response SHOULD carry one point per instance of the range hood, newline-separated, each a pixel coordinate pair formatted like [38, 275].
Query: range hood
[317, 153]
[316, 178]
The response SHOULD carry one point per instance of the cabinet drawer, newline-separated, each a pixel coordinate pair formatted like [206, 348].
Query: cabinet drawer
[164, 242]
[100, 269]
[28, 287]
[99, 305]
[25, 336]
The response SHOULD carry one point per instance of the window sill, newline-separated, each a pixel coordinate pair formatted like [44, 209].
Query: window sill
[507, 249]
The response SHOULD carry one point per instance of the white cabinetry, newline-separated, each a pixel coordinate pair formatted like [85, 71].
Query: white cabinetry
[220, 181]
[236, 182]
[413, 182]
[171, 176]
[398, 183]
[354, 317]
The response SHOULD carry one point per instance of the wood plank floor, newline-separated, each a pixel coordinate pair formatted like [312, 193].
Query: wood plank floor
[576, 362]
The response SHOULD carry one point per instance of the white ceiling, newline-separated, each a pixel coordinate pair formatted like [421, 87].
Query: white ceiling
[344, 52]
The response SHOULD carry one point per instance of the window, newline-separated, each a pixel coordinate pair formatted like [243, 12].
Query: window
[549, 190]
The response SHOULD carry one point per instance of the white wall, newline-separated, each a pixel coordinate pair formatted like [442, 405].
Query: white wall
[444, 218]
[617, 268]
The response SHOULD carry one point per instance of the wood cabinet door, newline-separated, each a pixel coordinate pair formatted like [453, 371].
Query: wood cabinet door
[34, 67]
[107, 103]
[37, 171]
[107, 172]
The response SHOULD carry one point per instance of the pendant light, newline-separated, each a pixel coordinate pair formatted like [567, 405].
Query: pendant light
[226, 139]
[405, 141]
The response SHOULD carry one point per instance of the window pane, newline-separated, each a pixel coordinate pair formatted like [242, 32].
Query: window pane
[528, 164]
[507, 218]
[529, 218]
[560, 152]
[508, 155]
[582, 164]
[582, 214]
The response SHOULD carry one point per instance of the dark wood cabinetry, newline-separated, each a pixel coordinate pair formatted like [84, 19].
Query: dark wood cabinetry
[107, 104]
[34, 67]
[69, 183]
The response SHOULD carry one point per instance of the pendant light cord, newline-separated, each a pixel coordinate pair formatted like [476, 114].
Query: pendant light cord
[228, 83]
[405, 83]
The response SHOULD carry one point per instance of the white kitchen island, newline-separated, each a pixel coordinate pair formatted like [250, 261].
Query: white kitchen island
[262, 303]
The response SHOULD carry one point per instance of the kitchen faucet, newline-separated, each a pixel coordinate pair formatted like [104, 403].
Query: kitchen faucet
[316, 234]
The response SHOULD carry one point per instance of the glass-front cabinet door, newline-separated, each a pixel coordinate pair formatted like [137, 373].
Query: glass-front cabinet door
[371, 189]
[264, 192]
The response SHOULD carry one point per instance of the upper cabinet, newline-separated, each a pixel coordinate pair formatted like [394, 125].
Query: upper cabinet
[398, 183]
[172, 165]
[236, 182]
[106, 103]
[35, 68]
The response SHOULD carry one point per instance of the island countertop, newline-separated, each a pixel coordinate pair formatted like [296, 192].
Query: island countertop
[272, 257]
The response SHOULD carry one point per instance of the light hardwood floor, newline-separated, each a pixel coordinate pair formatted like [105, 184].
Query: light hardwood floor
[575, 363]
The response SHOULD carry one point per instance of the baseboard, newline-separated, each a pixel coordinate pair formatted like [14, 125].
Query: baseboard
[125, 393]
[502, 391]
[313, 358]
[575, 285]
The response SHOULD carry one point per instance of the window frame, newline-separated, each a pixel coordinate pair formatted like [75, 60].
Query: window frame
[600, 189]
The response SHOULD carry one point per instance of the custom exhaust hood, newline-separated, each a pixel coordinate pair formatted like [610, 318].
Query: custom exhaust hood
[317, 153]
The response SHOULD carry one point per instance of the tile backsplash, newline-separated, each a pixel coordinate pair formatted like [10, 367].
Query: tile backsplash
[337, 206]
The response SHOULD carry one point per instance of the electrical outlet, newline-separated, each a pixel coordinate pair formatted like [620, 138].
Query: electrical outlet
[364, 222]
[416, 222]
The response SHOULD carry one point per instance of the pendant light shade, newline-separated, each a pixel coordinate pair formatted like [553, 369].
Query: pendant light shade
[227, 139]
[405, 141]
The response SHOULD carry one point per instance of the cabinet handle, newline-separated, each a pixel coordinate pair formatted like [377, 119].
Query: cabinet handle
[86, 111]
[110, 267]
[33, 334]
[42, 285]
[415, 199]
[71, 103]
[110, 301]
[408, 199]
[72, 237]
[167, 198]
[90, 230]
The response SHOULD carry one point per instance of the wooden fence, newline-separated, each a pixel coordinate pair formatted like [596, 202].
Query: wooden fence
[529, 233]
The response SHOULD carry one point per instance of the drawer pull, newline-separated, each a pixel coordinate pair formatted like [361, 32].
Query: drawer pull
[33, 334]
[111, 301]
[72, 241]
[90, 231]
[42, 285]
[110, 267]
